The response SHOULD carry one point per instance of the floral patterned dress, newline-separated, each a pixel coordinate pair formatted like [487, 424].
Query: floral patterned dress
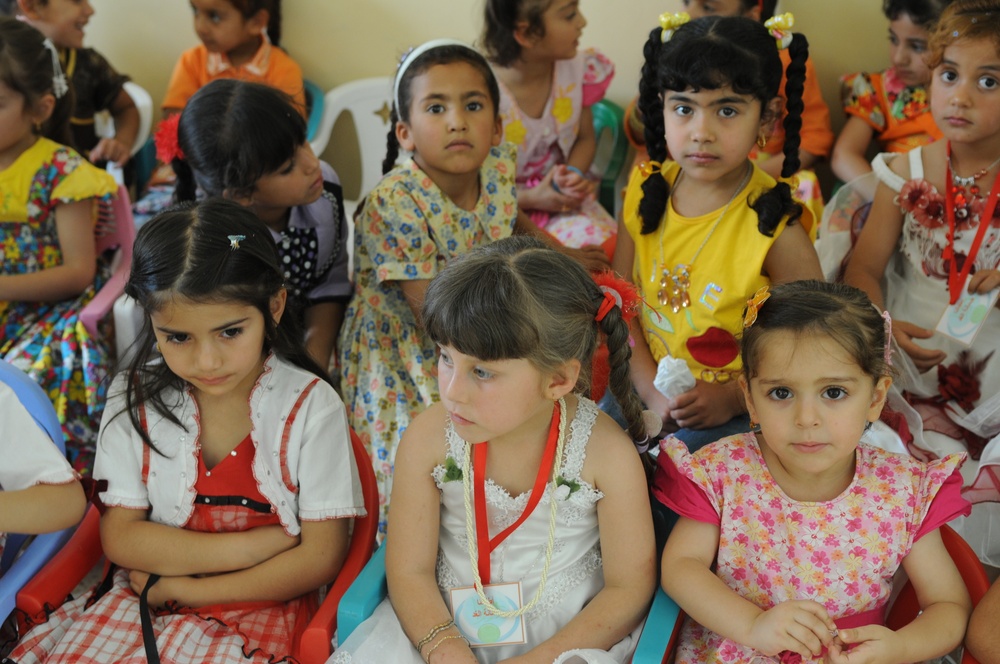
[956, 406]
[899, 115]
[408, 230]
[46, 339]
[841, 553]
[546, 141]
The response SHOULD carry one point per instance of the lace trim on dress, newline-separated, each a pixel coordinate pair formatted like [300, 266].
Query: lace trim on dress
[558, 587]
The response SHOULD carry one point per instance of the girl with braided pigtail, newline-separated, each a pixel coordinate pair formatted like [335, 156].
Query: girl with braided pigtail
[705, 231]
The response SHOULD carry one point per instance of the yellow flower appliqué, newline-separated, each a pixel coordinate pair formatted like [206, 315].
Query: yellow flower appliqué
[562, 109]
[515, 132]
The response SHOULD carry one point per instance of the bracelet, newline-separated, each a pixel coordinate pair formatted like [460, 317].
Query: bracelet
[442, 640]
[572, 169]
[434, 631]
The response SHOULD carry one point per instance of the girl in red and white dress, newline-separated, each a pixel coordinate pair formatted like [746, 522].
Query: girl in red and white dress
[230, 479]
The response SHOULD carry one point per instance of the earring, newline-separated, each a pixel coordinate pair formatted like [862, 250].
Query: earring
[761, 140]
[868, 426]
[754, 426]
[38, 128]
[156, 347]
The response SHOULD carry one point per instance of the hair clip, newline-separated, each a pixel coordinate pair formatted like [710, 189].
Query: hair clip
[753, 306]
[887, 351]
[59, 84]
[780, 28]
[647, 168]
[234, 241]
[670, 22]
[617, 292]
[167, 144]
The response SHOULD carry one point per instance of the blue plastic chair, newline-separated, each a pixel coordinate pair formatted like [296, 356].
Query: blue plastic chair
[16, 573]
[315, 100]
[609, 118]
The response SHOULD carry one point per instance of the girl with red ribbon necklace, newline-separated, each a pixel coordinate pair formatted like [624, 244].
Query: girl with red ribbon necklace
[515, 482]
[935, 218]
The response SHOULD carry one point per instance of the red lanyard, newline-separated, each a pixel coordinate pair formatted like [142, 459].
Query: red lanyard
[956, 279]
[484, 545]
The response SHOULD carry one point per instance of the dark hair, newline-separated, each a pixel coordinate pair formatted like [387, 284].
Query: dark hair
[710, 53]
[500, 23]
[10, 8]
[439, 55]
[841, 312]
[924, 13]
[26, 68]
[186, 252]
[273, 7]
[516, 298]
[232, 134]
[965, 19]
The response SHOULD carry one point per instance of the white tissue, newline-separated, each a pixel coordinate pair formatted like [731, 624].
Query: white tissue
[673, 377]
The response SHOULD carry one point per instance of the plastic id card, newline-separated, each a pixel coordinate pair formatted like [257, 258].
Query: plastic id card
[962, 321]
[479, 624]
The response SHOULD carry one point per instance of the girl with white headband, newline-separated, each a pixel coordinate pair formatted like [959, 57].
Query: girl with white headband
[455, 192]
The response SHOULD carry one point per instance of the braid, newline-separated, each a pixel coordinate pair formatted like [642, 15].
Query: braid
[187, 189]
[655, 190]
[773, 206]
[616, 331]
[391, 144]
[794, 85]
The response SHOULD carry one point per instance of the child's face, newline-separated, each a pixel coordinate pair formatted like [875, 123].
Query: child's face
[62, 21]
[562, 27]
[965, 94]
[216, 347]
[711, 132]
[297, 182]
[907, 47]
[452, 123]
[812, 401]
[700, 8]
[222, 28]
[17, 123]
[494, 401]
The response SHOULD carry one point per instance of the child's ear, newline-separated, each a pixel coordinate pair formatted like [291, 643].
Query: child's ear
[404, 136]
[245, 199]
[29, 8]
[42, 110]
[770, 113]
[879, 397]
[257, 23]
[523, 35]
[745, 387]
[563, 380]
[278, 305]
[498, 132]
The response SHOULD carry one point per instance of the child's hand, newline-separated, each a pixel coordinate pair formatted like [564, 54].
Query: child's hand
[543, 196]
[799, 626]
[590, 256]
[983, 281]
[571, 183]
[705, 405]
[925, 358]
[109, 149]
[868, 645]
[266, 542]
[167, 589]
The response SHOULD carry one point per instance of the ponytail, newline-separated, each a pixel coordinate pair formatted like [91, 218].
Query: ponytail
[655, 190]
[616, 332]
[391, 144]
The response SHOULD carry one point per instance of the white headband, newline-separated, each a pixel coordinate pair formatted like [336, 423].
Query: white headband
[413, 55]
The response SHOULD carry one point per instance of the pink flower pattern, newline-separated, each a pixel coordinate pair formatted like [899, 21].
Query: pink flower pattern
[842, 553]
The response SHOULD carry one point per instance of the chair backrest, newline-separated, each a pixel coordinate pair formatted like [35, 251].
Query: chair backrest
[368, 100]
[116, 231]
[609, 120]
[906, 607]
[314, 105]
[34, 400]
[315, 643]
[104, 124]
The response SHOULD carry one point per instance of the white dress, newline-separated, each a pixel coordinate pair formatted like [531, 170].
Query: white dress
[963, 392]
[575, 573]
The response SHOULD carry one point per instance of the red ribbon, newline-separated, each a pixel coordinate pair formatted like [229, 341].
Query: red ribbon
[956, 279]
[484, 545]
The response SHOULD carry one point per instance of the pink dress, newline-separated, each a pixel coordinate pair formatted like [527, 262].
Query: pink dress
[842, 553]
[546, 141]
[109, 630]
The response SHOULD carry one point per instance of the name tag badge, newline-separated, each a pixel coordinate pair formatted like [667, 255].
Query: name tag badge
[963, 320]
[479, 624]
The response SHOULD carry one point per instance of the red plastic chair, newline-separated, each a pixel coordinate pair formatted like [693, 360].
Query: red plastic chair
[117, 232]
[52, 585]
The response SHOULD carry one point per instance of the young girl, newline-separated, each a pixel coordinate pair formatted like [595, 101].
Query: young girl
[48, 210]
[546, 90]
[516, 324]
[244, 141]
[230, 476]
[789, 537]
[935, 220]
[239, 39]
[710, 91]
[456, 192]
[96, 85]
[892, 105]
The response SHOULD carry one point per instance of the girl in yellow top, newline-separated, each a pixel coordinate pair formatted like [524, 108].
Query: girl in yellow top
[49, 270]
[702, 233]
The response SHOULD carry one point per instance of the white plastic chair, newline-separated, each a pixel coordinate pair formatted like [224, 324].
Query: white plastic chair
[105, 127]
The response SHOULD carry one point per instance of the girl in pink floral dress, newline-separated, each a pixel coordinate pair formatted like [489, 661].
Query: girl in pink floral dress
[547, 87]
[790, 536]
[933, 240]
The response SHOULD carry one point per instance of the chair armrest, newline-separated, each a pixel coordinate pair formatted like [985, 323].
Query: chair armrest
[38, 552]
[63, 572]
[659, 634]
[92, 314]
[364, 595]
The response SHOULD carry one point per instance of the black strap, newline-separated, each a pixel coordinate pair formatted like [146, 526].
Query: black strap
[237, 501]
[148, 638]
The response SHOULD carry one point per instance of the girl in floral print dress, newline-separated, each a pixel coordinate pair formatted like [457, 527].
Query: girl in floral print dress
[49, 198]
[932, 240]
[547, 87]
[454, 193]
[790, 536]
